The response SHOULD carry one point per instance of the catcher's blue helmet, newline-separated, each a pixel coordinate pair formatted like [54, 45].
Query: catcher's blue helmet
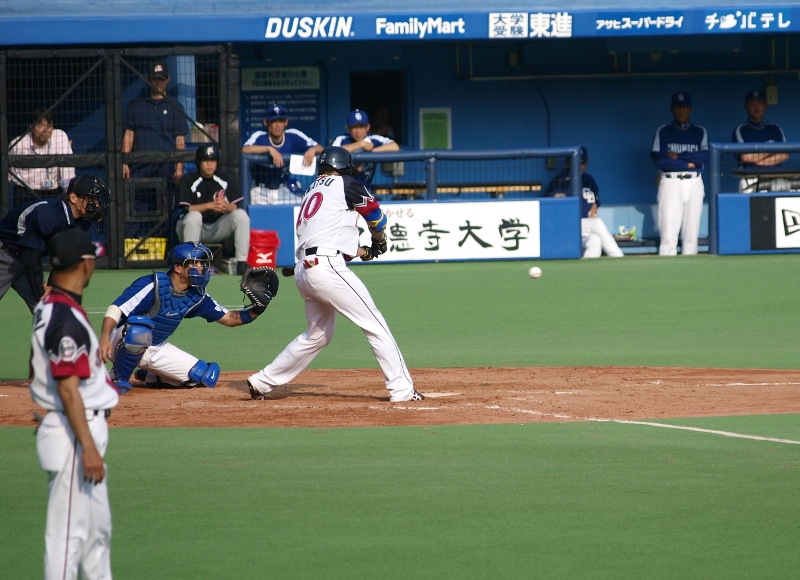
[193, 252]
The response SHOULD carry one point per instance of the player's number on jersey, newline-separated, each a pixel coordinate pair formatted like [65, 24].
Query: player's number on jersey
[309, 207]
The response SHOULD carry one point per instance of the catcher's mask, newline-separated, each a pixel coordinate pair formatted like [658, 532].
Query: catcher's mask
[188, 253]
[96, 194]
[337, 158]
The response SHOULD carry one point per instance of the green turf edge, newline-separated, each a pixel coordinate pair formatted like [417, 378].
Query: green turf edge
[507, 501]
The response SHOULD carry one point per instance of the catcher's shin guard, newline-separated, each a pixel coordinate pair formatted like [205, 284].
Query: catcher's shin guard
[130, 350]
[205, 373]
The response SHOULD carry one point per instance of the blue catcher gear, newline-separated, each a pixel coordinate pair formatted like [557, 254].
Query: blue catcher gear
[130, 350]
[205, 373]
[189, 255]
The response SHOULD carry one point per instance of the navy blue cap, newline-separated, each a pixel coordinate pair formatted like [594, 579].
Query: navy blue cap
[755, 94]
[357, 117]
[69, 247]
[681, 100]
[159, 70]
[584, 154]
[276, 112]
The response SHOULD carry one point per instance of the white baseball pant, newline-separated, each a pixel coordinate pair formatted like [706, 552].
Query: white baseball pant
[680, 207]
[190, 228]
[167, 361]
[328, 287]
[596, 239]
[78, 534]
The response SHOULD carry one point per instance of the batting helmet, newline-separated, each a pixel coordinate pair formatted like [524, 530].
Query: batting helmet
[96, 193]
[186, 255]
[207, 151]
[338, 158]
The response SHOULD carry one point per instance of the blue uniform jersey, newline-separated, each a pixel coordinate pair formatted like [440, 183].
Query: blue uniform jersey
[139, 298]
[689, 142]
[763, 132]
[294, 141]
[367, 170]
[590, 192]
[31, 224]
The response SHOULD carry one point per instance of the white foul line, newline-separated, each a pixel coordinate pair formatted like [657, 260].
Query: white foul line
[648, 424]
[699, 430]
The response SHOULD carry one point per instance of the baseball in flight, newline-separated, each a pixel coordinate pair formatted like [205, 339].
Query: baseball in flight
[535, 272]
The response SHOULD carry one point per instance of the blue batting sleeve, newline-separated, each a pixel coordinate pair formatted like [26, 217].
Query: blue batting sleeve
[699, 158]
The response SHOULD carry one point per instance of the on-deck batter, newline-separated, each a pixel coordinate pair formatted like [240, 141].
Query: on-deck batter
[69, 380]
[680, 149]
[327, 237]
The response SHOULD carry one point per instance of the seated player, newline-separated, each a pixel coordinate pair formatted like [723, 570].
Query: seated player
[595, 237]
[137, 326]
[359, 138]
[212, 214]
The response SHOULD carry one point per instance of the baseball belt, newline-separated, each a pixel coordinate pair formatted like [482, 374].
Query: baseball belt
[681, 175]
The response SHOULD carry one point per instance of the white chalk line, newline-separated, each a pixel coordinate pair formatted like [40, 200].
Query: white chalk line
[649, 424]
[748, 384]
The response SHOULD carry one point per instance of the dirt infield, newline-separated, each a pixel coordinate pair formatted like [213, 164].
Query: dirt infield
[347, 398]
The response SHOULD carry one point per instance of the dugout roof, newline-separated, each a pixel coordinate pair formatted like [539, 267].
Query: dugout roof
[77, 22]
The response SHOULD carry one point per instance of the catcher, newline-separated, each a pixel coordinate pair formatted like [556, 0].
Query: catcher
[138, 324]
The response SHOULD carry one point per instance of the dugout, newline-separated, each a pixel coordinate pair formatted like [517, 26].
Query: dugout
[507, 75]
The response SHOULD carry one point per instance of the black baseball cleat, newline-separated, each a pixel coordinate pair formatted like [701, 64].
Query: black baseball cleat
[417, 396]
[255, 394]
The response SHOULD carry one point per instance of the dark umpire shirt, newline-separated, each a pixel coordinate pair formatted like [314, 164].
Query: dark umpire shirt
[195, 189]
[31, 224]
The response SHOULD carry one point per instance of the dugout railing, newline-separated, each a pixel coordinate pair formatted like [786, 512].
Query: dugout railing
[434, 175]
[741, 200]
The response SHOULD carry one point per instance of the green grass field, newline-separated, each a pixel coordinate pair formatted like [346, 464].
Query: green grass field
[587, 500]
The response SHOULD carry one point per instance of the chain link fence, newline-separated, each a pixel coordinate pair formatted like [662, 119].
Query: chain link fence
[68, 112]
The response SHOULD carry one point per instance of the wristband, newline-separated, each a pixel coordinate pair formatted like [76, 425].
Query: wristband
[246, 317]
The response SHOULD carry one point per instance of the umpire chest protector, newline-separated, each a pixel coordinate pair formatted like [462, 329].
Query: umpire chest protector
[169, 308]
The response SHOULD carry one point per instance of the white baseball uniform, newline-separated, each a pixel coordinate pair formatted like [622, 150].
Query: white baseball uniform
[78, 535]
[327, 231]
[680, 187]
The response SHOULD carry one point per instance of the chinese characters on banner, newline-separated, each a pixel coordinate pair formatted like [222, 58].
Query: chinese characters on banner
[530, 25]
[459, 231]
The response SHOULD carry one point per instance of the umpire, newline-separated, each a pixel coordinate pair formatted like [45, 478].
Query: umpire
[26, 229]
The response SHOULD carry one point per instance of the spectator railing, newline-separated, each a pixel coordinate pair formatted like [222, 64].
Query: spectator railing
[448, 172]
[722, 175]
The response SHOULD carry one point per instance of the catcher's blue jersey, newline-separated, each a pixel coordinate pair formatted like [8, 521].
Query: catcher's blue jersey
[141, 297]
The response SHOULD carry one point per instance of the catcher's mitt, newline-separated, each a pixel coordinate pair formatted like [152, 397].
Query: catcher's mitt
[260, 285]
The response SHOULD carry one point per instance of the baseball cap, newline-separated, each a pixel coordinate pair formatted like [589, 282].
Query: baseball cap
[584, 154]
[159, 70]
[276, 112]
[81, 185]
[681, 100]
[69, 247]
[357, 117]
[755, 94]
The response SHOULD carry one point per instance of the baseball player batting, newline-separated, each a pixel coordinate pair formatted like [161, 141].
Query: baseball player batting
[327, 237]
